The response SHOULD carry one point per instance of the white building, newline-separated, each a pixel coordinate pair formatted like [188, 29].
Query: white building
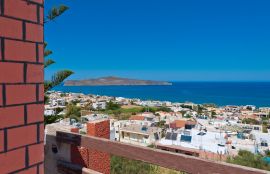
[139, 135]
[93, 117]
[195, 139]
[251, 107]
[49, 112]
[99, 105]
[58, 102]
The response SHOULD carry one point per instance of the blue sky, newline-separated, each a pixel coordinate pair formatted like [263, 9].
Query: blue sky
[176, 40]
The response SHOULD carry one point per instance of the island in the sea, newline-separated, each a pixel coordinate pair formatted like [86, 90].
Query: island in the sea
[113, 81]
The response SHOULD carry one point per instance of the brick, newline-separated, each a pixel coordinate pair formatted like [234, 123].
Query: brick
[1, 96]
[34, 73]
[99, 129]
[41, 132]
[41, 15]
[11, 72]
[1, 141]
[41, 52]
[35, 113]
[0, 47]
[10, 28]
[32, 170]
[12, 161]
[11, 116]
[41, 169]
[99, 161]
[36, 153]
[74, 130]
[41, 93]
[79, 155]
[34, 32]
[22, 136]
[21, 9]
[37, 1]
[20, 51]
[19, 94]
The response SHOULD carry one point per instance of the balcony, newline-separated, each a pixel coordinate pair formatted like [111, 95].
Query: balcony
[58, 147]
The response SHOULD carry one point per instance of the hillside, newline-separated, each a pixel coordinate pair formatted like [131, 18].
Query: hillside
[111, 80]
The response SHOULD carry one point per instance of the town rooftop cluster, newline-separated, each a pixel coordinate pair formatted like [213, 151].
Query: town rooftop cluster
[202, 130]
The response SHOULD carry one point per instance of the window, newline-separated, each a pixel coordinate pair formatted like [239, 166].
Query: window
[264, 144]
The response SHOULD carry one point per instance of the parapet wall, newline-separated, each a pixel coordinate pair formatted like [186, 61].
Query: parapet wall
[21, 86]
[75, 156]
[89, 157]
[99, 161]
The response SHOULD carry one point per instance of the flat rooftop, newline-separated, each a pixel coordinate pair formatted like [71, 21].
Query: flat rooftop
[145, 130]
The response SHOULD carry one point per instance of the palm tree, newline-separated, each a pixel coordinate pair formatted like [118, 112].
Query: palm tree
[59, 76]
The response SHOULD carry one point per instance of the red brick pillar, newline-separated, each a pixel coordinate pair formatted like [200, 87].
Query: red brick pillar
[79, 155]
[99, 161]
[21, 86]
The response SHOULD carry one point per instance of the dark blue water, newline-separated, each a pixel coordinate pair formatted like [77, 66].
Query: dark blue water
[220, 93]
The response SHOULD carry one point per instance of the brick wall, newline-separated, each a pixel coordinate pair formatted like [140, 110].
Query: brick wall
[90, 158]
[21, 86]
[79, 155]
[99, 161]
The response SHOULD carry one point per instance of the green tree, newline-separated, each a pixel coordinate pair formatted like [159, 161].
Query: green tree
[250, 121]
[156, 109]
[210, 105]
[73, 112]
[164, 109]
[52, 119]
[112, 106]
[267, 153]
[161, 124]
[246, 158]
[187, 116]
[58, 110]
[213, 114]
[59, 76]
[199, 109]
[186, 106]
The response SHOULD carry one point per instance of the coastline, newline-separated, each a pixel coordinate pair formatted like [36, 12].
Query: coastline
[220, 93]
[169, 84]
[113, 81]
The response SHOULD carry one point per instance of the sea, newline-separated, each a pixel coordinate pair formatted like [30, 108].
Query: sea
[219, 93]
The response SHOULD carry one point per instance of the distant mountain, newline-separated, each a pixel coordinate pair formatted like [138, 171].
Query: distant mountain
[111, 80]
